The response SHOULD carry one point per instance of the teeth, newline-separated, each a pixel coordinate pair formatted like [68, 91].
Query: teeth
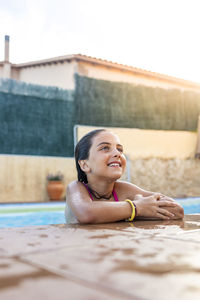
[114, 165]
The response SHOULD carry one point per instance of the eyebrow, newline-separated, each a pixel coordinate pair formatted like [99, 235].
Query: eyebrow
[108, 144]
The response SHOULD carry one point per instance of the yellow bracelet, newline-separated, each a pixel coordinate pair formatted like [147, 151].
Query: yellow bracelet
[133, 210]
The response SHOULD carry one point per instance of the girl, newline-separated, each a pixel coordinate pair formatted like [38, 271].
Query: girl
[98, 196]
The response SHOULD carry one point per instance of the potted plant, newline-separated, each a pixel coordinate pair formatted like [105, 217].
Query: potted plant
[55, 186]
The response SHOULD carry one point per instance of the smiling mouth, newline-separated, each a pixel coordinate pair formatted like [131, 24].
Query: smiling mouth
[114, 165]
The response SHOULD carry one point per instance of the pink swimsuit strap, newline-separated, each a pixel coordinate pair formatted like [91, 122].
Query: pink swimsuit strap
[113, 192]
[115, 195]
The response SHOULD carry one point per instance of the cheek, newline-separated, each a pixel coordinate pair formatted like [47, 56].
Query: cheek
[96, 162]
[124, 161]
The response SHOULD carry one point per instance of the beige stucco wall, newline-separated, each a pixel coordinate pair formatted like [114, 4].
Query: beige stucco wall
[1, 71]
[114, 74]
[59, 74]
[23, 178]
[5, 70]
[140, 143]
[15, 73]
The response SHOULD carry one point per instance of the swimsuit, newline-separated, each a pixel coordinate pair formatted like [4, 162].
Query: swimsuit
[113, 192]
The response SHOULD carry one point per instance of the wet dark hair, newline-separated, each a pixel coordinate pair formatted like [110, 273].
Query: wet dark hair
[82, 152]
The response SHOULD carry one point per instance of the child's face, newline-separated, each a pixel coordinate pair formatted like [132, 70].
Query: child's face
[106, 158]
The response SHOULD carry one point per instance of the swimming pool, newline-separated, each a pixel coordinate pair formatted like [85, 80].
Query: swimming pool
[20, 215]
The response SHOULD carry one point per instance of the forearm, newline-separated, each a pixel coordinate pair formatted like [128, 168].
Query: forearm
[105, 212]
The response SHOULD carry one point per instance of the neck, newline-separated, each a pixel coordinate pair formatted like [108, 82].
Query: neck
[101, 189]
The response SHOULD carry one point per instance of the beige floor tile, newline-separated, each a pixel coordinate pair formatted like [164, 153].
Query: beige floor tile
[40, 238]
[152, 260]
[46, 286]
[21, 280]
[13, 267]
[121, 263]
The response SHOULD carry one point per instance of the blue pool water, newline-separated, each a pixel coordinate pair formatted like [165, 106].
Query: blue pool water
[20, 215]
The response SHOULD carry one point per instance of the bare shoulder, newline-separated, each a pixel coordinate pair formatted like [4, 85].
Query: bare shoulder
[74, 185]
[129, 190]
[76, 190]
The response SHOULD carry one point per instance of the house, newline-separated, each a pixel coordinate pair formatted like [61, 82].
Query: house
[59, 71]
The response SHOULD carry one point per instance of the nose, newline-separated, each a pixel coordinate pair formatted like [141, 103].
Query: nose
[116, 152]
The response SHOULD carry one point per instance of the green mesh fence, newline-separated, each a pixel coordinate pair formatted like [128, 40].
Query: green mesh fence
[35, 120]
[105, 103]
[39, 120]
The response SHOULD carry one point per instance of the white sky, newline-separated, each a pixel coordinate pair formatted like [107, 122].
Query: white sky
[158, 35]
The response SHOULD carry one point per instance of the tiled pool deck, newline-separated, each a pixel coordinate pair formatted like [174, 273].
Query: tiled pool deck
[154, 260]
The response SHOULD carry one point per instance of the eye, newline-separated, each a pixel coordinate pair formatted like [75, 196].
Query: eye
[105, 148]
[120, 150]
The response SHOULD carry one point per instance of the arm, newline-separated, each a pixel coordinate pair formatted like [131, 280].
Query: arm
[131, 190]
[88, 211]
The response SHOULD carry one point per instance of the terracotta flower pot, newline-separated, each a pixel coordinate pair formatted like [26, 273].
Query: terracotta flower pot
[55, 189]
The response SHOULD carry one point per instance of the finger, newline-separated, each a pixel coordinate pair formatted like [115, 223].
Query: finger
[167, 198]
[166, 203]
[163, 217]
[165, 212]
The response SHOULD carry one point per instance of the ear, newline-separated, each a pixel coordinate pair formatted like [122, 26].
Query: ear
[84, 166]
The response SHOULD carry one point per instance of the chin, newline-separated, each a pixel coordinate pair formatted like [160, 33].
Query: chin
[117, 176]
[114, 175]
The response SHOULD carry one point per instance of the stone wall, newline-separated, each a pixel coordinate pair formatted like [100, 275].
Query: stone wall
[174, 177]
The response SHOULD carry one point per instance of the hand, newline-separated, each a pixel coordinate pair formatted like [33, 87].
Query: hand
[155, 206]
[178, 211]
[164, 197]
